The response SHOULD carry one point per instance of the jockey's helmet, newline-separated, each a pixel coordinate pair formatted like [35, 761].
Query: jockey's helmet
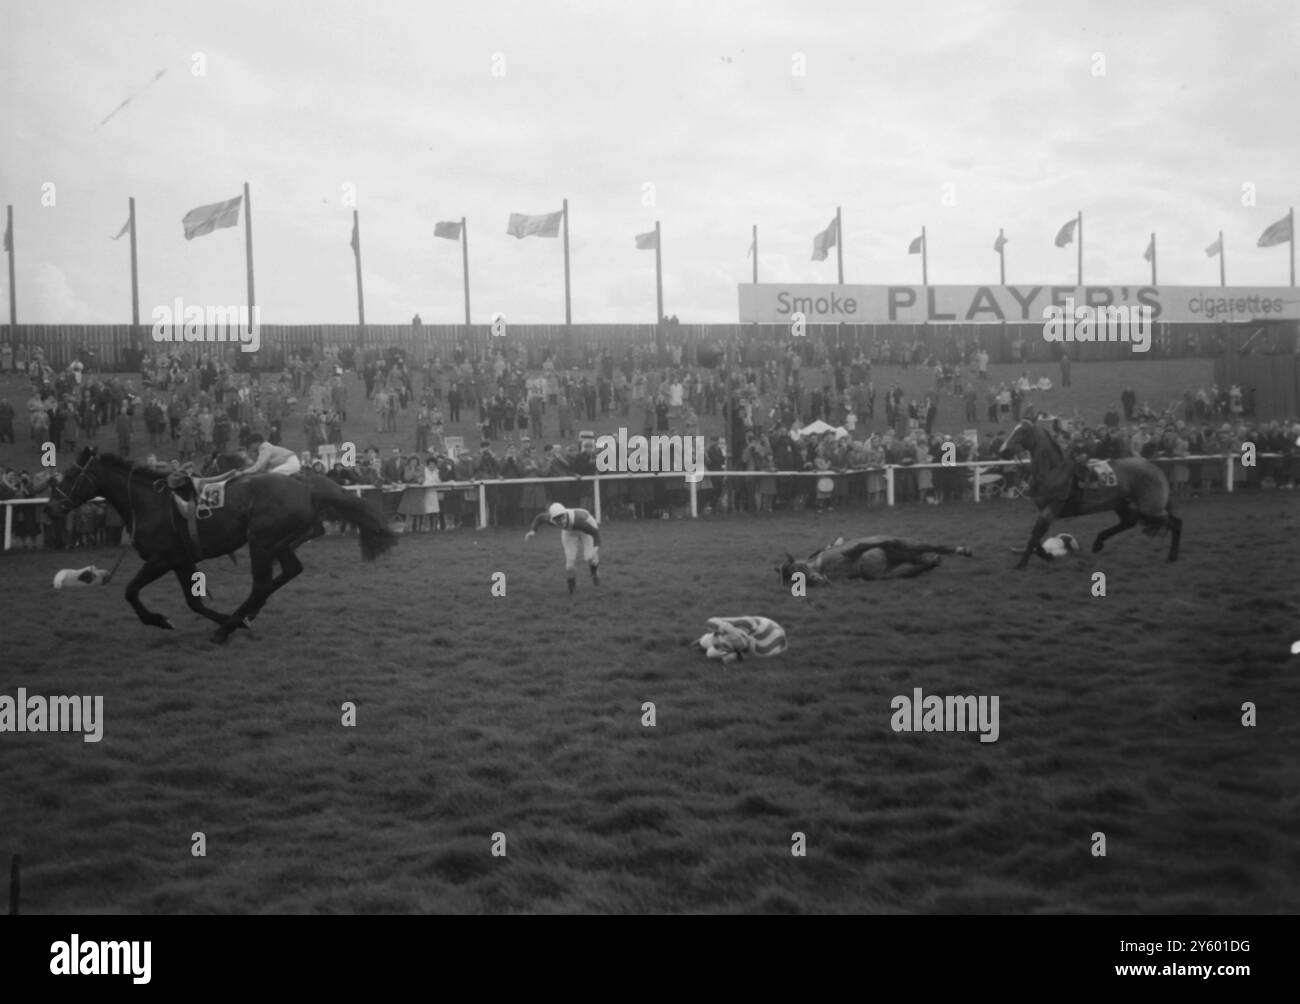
[555, 511]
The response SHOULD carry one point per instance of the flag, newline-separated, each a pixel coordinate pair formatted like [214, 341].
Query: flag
[648, 241]
[750, 252]
[824, 241]
[545, 225]
[449, 230]
[9, 240]
[1065, 235]
[157, 76]
[1150, 252]
[1277, 233]
[206, 219]
[356, 239]
[915, 246]
[1215, 248]
[1000, 243]
[125, 228]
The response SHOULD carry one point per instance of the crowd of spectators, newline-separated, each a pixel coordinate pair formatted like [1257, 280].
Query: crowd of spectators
[523, 416]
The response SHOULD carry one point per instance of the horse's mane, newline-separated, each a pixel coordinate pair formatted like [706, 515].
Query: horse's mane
[127, 466]
[1056, 447]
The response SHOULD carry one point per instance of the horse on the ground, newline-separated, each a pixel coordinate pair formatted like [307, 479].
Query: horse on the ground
[869, 558]
[1140, 493]
[272, 513]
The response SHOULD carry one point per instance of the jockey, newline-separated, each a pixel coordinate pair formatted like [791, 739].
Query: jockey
[272, 459]
[578, 529]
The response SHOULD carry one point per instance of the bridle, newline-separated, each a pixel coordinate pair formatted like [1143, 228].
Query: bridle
[67, 504]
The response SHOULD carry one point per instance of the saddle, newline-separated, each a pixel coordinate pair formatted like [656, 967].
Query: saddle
[197, 498]
[1093, 475]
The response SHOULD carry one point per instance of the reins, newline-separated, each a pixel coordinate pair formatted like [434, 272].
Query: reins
[123, 548]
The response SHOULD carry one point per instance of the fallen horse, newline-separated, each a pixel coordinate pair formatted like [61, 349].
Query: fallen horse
[868, 558]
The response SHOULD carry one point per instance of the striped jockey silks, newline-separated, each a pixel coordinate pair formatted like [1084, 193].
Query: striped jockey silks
[730, 638]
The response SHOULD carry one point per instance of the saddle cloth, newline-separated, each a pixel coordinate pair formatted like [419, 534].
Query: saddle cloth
[1098, 474]
[209, 496]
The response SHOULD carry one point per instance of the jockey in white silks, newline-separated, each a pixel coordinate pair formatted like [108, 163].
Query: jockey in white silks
[272, 459]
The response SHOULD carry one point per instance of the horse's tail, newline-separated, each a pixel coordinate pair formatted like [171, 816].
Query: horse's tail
[376, 537]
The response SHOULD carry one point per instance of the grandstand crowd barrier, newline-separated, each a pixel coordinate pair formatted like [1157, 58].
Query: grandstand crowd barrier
[495, 502]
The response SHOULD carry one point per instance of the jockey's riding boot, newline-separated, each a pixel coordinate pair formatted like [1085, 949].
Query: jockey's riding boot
[573, 583]
[595, 575]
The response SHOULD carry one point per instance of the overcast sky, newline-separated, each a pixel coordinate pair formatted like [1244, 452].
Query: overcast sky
[1003, 102]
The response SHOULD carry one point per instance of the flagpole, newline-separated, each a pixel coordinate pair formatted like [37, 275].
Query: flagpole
[839, 249]
[464, 254]
[925, 254]
[135, 281]
[1080, 248]
[13, 304]
[755, 248]
[248, 251]
[1153, 259]
[659, 275]
[1223, 265]
[568, 311]
[356, 253]
[1002, 259]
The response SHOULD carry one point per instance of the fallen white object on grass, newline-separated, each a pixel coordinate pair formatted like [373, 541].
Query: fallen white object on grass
[88, 576]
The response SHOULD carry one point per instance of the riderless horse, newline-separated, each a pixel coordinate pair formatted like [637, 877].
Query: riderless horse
[1139, 492]
[272, 513]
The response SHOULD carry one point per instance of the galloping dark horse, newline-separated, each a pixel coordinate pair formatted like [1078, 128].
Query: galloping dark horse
[272, 513]
[1140, 494]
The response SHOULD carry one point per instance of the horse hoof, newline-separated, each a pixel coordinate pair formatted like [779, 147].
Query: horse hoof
[1097, 545]
[219, 637]
[165, 624]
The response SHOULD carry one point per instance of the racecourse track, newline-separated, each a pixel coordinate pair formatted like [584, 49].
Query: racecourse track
[522, 715]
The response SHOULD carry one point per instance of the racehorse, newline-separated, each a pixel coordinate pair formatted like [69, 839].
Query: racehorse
[1140, 493]
[868, 558]
[272, 513]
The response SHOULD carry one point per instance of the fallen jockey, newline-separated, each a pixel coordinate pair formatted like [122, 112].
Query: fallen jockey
[869, 558]
[1063, 545]
[729, 638]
